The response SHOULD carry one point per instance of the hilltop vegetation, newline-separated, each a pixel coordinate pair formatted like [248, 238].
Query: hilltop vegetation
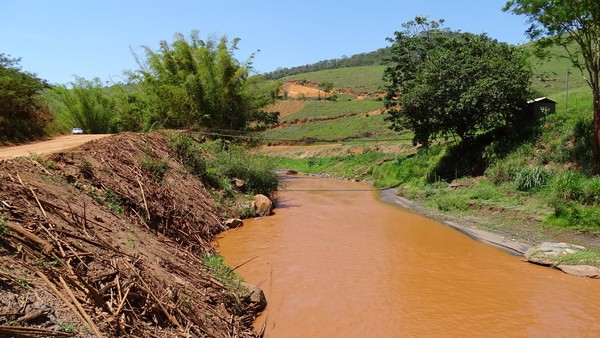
[374, 58]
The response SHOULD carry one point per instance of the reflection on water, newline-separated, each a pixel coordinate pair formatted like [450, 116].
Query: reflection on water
[335, 262]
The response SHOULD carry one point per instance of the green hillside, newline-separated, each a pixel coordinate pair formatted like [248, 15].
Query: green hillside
[359, 80]
[329, 109]
[353, 127]
[551, 72]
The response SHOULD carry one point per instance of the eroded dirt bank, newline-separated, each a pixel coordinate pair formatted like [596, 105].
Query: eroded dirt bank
[96, 243]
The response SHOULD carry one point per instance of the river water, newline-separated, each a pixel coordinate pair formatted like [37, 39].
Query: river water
[334, 261]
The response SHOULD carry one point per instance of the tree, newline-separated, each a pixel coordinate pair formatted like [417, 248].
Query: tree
[23, 114]
[409, 49]
[192, 82]
[574, 25]
[443, 83]
[84, 104]
[326, 87]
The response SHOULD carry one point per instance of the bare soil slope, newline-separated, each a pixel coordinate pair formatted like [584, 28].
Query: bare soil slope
[97, 242]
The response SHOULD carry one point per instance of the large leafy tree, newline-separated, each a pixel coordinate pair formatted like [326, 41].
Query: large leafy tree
[574, 25]
[23, 114]
[84, 104]
[445, 83]
[194, 82]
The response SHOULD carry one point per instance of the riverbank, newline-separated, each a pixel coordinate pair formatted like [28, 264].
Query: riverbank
[502, 241]
[478, 227]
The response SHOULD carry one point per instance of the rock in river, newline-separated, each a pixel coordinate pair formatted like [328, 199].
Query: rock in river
[262, 205]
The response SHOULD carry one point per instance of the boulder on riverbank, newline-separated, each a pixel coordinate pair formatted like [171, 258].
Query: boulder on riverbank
[587, 271]
[551, 253]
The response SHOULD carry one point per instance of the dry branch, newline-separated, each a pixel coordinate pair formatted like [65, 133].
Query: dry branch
[80, 308]
[46, 247]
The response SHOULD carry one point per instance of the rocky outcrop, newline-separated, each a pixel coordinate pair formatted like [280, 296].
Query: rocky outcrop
[551, 253]
[580, 270]
[262, 205]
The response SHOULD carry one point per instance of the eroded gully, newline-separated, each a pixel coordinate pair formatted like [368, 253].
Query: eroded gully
[335, 262]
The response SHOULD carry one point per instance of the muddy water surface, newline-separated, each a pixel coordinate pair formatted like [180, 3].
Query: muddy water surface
[335, 262]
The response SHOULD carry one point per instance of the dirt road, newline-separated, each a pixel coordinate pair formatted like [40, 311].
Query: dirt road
[47, 147]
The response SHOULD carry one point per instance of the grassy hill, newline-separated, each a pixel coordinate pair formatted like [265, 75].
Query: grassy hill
[358, 80]
[551, 73]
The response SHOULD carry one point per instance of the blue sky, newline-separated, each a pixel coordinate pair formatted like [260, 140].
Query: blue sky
[57, 39]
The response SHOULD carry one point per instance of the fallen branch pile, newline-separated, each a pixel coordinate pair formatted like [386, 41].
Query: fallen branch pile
[72, 265]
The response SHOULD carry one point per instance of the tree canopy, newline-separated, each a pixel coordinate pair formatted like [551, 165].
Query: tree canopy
[84, 104]
[23, 115]
[574, 25]
[443, 83]
[193, 82]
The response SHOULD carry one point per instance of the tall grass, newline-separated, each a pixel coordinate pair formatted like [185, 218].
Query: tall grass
[529, 178]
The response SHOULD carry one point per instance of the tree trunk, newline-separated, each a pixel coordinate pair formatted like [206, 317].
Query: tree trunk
[596, 137]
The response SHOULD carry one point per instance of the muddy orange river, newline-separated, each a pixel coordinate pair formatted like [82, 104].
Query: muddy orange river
[334, 261]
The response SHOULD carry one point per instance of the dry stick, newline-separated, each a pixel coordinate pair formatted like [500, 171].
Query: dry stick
[26, 331]
[61, 296]
[80, 308]
[73, 214]
[38, 202]
[144, 198]
[242, 264]
[41, 167]
[20, 180]
[141, 219]
[60, 248]
[263, 327]
[46, 246]
[123, 301]
[157, 300]
[31, 316]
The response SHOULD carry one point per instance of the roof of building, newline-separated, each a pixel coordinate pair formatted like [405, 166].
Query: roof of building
[541, 99]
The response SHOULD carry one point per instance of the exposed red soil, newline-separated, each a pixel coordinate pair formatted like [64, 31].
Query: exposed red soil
[55, 144]
[287, 107]
[99, 243]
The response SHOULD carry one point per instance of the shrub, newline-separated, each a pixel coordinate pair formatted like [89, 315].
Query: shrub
[233, 161]
[450, 201]
[573, 215]
[484, 190]
[225, 274]
[590, 193]
[257, 172]
[529, 178]
[157, 167]
[190, 154]
[568, 186]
